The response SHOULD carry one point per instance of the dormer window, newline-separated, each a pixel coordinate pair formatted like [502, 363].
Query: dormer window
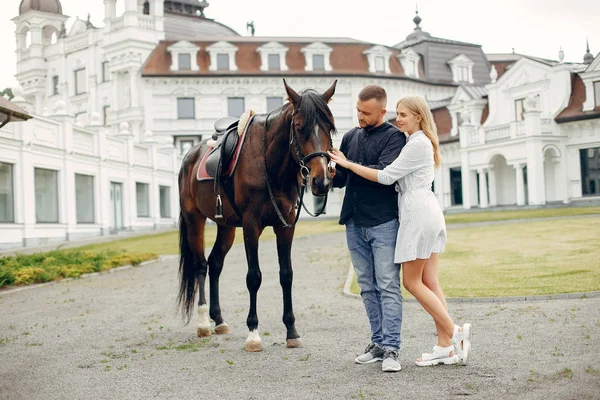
[378, 57]
[379, 64]
[222, 56]
[223, 62]
[184, 56]
[274, 64]
[410, 62]
[185, 61]
[462, 69]
[318, 62]
[272, 56]
[597, 93]
[317, 57]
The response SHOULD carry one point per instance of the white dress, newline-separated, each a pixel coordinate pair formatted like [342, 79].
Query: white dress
[422, 226]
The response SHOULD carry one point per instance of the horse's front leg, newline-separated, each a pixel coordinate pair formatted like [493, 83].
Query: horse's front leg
[286, 276]
[252, 232]
[225, 238]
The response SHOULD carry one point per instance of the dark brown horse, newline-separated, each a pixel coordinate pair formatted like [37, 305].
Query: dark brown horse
[280, 149]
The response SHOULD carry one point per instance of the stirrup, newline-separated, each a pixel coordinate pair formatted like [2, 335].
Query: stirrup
[219, 209]
[440, 355]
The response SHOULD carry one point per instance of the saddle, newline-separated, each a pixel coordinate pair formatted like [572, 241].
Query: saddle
[219, 162]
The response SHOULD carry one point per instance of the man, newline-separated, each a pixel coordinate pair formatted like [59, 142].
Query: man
[370, 213]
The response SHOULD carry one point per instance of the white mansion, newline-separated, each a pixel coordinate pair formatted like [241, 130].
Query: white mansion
[115, 107]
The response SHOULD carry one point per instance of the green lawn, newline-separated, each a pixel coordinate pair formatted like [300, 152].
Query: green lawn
[519, 214]
[539, 257]
[532, 258]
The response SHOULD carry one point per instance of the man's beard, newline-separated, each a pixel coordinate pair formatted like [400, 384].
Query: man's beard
[368, 127]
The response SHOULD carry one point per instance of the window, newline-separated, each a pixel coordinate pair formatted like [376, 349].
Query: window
[274, 102]
[519, 109]
[456, 186]
[462, 73]
[412, 69]
[185, 146]
[379, 64]
[164, 193]
[186, 108]
[105, 72]
[590, 171]
[185, 61]
[235, 106]
[106, 115]
[223, 62]
[142, 196]
[6, 193]
[80, 86]
[54, 85]
[274, 62]
[318, 61]
[597, 93]
[84, 199]
[46, 195]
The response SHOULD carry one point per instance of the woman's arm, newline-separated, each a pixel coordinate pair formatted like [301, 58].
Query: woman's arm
[340, 159]
[414, 156]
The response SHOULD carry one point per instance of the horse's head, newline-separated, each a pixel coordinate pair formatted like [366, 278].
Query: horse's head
[310, 136]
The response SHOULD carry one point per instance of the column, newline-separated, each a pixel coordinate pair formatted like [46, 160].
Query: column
[492, 185]
[520, 184]
[133, 88]
[483, 193]
[465, 179]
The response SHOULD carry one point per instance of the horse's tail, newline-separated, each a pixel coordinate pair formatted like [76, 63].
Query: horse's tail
[188, 276]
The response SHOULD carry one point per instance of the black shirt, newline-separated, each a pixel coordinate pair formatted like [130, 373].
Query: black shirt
[369, 203]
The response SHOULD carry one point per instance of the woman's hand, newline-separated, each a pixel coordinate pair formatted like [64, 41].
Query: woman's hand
[339, 158]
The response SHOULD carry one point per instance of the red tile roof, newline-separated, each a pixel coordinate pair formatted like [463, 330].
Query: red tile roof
[347, 58]
[443, 121]
[574, 111]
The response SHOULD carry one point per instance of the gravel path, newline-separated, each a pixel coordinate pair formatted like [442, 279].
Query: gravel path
[115, 336]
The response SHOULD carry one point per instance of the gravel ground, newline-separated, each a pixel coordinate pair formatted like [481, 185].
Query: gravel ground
[116, 336]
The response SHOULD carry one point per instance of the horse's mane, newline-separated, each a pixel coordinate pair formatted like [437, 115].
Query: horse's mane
[315, 109]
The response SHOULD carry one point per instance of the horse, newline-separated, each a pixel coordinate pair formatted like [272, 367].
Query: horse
[282, 149]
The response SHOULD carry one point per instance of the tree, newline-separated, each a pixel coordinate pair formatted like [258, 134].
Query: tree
[8, 92]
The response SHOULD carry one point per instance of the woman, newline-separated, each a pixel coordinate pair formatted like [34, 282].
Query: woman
[422, 233]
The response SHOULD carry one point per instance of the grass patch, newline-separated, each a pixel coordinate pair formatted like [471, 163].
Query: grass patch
[55, 265]
[484, 216]
[533, 258]
[168, 242]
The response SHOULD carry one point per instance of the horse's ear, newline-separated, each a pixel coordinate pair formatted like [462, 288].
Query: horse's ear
[292, 95]
[329, 92]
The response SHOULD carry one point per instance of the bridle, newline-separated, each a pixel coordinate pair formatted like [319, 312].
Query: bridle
[304, 172]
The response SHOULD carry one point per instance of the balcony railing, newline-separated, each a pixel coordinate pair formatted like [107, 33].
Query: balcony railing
[495, 133]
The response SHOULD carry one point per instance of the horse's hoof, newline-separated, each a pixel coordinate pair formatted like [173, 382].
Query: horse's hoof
[204, 332]
[254, 346]
[222, 329]
[294, 343]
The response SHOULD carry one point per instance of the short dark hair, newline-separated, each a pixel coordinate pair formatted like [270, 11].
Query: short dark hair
[373, 92]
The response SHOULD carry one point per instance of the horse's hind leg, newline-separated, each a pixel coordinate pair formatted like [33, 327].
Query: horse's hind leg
[286, 276]
[225, 237]
[195, 232]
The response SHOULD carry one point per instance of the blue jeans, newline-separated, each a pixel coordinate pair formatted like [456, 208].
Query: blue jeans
[372, 253]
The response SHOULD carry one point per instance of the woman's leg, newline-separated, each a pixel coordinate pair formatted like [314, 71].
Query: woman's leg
[412, 277]
[430, 279]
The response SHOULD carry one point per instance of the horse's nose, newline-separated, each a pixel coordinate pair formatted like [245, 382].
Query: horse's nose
[320, 185]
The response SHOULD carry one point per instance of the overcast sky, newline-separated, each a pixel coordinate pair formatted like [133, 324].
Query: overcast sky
[533, 27]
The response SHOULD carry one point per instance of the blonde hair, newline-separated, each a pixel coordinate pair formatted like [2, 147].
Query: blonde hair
[418, 106]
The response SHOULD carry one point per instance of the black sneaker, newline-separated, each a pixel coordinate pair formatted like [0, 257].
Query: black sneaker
[373, 353]
[390, 362]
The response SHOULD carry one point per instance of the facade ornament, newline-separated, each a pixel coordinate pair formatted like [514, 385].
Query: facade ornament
[493, 74]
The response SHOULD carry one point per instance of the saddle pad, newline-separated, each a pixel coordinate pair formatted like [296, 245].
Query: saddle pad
[202, 174]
